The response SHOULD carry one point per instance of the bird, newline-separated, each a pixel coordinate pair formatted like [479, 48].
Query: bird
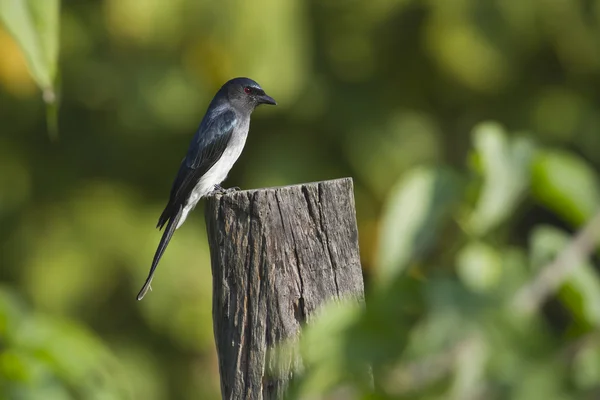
[214, 149]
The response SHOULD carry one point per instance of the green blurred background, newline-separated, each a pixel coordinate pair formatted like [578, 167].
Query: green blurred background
[470, 127]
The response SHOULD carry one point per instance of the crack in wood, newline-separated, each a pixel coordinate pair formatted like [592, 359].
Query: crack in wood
[331, 258]
[297, 264]
[249, 265]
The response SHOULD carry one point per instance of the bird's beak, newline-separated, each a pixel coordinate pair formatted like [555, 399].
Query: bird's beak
[266, 99]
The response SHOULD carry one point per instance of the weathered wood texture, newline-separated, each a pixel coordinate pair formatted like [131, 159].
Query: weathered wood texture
[277, 254]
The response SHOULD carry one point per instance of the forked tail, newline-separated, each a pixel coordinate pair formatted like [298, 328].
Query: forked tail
[164, 242]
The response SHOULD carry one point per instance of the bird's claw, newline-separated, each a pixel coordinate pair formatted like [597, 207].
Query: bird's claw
[222, 190]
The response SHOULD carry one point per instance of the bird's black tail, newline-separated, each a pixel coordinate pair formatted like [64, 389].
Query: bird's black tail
[164, 241]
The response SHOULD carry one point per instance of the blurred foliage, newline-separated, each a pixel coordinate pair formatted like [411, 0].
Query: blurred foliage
[443, 322]
[470, 128]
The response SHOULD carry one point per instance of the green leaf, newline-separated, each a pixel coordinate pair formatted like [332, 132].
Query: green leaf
[541, 381]
[566, 184]
[414, 211]
[581, 289]
[324, 348]
[35, 26]
[586, 366]
[479, 266]
[505, 165]
[470, 366]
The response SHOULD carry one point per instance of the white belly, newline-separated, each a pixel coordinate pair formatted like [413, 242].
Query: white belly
[216, 174]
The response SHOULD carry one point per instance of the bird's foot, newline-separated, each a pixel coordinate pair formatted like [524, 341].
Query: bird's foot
[221, 190]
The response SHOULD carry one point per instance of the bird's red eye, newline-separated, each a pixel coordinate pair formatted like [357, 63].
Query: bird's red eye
[247, 90]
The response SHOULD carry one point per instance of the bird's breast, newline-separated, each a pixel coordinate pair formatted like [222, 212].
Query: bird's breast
[219, 171]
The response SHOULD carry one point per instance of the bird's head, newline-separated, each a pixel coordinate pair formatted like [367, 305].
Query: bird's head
[246, 94]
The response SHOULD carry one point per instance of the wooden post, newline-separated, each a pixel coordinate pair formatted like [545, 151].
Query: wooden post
[277, 254]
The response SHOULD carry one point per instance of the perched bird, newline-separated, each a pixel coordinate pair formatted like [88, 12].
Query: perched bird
[214, 149]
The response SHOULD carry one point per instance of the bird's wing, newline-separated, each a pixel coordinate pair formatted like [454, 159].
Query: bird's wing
[206, 149]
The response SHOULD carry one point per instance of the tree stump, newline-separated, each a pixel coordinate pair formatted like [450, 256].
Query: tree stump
[277, 255]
